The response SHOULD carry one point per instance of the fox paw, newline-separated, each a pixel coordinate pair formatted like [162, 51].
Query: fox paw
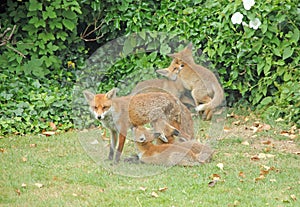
[201, 107]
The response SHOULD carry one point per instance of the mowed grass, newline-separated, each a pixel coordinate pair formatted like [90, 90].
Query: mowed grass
[254, 169]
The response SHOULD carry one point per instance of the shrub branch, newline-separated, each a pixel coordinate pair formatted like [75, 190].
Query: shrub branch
[5, 39]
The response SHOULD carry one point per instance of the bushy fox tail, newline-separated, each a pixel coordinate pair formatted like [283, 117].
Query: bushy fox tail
[215, 102]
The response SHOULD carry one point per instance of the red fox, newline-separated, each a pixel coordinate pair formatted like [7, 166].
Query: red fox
[176, 89]
[203, 84]
[167, 154]
[121, 113]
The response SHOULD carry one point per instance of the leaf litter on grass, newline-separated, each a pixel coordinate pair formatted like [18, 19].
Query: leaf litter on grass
[262, 136]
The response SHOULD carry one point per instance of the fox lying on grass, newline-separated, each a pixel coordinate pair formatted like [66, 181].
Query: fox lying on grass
[203, 84]
[190, 154]
[119, 114]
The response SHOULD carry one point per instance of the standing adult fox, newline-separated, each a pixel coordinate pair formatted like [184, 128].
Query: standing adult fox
[118, 114]
[203, 84]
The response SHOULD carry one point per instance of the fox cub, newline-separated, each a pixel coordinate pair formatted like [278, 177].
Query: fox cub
[174, 87]
[119, 114]
[167, 154]
[203, 84]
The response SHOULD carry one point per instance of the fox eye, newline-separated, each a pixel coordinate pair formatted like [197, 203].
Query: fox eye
[174, 68]
[105, 107]
[182, 65]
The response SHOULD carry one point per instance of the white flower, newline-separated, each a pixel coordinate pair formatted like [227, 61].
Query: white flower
[237, 18]
[254, 23]
[248, 4]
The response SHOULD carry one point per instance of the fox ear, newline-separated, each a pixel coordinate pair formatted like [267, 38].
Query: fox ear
[112, 93]
[89, 96]
[163, 72]
[190, 46]
[172, 55]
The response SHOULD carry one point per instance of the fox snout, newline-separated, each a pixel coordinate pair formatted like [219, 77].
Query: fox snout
[100, 117]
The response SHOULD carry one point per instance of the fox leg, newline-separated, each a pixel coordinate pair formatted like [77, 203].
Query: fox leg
[120, 146]
[208, 114]
[113, 142]
[201, 100]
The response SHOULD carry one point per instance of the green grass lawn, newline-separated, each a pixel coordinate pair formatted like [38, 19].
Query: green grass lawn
[259, 169]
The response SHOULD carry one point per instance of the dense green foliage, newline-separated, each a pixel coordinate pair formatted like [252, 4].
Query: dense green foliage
[260, 66]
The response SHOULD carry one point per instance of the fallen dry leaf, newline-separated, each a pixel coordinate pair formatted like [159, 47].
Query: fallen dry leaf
[242, 174]
[2, 150]
[212, 183]
[265, 156]
[265, 167]
[162, 189]
[24, 159]
[232, 115]
[255, 158]
[264, 172]
[293, 129]
[23, 185]
[256, 124]
[235, 203]
[266, 127]
[215, 176]
[143, 188]
[261, 177]
[39, 185]
[285, 133]
[33, 145]
[236, 123]
[18, 192]
[279, 120]
[258, 127]
[48, 133]
[267, 142]
[226, 129]
[221, 166]
[273, 180]
[293, 197]
[154, 194]
[246, 143]
[53, 126]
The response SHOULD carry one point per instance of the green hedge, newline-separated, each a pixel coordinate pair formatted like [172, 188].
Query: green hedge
[40, 62]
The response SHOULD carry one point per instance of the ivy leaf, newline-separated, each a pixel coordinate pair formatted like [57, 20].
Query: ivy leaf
[295, 36]
[49, 13]
[257, 45]
[268, 65]
[266, 101]
[129, 45]
[260, 66]
[70, 14]
[287, 52]
[68, 24]
[32, 65]
[34, 5]
[165, 49]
